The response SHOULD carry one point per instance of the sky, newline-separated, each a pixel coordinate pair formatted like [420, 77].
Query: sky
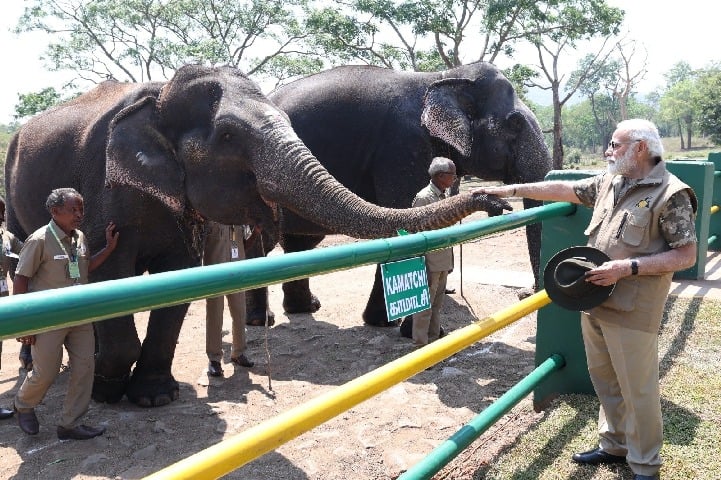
[669, 30]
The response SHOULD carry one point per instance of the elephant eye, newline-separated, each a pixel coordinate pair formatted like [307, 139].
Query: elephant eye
[226, 137]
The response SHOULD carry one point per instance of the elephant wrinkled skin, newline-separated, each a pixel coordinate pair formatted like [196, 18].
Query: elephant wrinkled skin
[376, 130]
[160, 158]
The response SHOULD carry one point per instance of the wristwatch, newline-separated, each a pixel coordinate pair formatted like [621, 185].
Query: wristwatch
[634, 266]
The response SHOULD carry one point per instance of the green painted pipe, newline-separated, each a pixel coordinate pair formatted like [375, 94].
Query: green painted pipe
[447, 451]
[43, 311]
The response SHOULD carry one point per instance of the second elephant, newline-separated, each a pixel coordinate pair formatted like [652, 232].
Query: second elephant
[376, 130]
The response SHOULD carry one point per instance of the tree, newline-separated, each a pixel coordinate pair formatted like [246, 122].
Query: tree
[142, 40]
[677, 104]
[708, 102]
[30, 104]
[565, 23]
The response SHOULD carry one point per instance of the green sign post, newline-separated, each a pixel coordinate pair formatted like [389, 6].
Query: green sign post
[405, 286]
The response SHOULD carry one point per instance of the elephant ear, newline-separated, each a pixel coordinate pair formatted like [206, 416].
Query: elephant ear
[140, 156]
[448, 111]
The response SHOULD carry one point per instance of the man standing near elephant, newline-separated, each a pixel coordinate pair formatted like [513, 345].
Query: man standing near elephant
[427, 324]
[643, 219]
[224, 243]
[55, 256]
[9, 248]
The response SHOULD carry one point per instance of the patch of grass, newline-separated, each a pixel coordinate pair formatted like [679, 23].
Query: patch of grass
[690, 361]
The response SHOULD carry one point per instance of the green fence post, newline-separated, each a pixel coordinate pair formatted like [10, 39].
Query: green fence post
[558, 331]
[700, 177]
[715, 220]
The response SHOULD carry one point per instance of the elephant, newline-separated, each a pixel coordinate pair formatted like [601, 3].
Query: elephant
[161, 158]
[376, 130]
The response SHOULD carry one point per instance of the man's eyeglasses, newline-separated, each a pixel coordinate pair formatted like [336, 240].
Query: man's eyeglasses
[614, 145]
[450, 174]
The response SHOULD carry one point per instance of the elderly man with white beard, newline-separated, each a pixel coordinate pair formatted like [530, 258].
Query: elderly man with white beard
[643, 219]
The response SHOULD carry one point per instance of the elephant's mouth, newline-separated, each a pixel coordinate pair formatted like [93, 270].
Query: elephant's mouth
[273, 207]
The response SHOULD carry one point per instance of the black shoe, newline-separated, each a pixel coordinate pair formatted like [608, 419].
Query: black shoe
[81, 432]
[28, 422]
[5, 413]
[450, 291]
[214, 369]
[242, 361]
[646, 477]
[597, 456]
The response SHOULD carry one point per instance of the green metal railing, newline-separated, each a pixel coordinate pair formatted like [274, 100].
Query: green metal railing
[47, 310]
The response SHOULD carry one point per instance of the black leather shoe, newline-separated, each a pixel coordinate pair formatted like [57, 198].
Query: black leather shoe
[28, 422]
[5, 413]
[597, 456]
[646, 477]
[450, 291]
[214, 369]
[242, 361]
[81, 432]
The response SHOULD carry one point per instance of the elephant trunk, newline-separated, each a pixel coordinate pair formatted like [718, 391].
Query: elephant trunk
[300, 183]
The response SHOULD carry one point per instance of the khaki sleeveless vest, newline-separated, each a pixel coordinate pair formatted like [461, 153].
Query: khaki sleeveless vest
[630, 228]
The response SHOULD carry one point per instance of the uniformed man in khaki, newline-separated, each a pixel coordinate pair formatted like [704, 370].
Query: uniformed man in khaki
[9, 248]
[224, 243]
[427, 323]
[53, 257]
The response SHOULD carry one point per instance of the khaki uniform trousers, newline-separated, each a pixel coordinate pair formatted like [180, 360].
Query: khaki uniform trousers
[623, 365]
[47, 353]
[219, 252]
[427, 324]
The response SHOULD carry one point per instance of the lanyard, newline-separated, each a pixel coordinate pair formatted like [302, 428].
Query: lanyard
[73, 265]
[73, 247]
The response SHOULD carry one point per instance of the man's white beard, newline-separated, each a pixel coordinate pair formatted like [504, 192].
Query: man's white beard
[621, 165]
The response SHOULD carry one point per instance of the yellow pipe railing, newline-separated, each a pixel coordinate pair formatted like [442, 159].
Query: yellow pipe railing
[228, 455]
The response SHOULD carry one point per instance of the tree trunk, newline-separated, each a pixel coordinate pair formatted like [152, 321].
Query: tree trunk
[680, 134]
[557, 133]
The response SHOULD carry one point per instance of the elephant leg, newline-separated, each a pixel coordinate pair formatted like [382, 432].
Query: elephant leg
[152, 383]
[375, 312]
[297, 297]
[256, 300]
[117, 349]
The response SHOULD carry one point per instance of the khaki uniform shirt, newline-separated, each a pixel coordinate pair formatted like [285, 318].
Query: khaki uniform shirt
[632, 218]
[438, 260]
[10, 245]
[45, 262]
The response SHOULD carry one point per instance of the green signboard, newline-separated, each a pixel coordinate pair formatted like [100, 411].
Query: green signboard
[405, 285]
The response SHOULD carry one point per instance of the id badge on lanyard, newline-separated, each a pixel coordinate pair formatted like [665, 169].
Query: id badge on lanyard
[234, 250]
[74, 269]
[3, 286]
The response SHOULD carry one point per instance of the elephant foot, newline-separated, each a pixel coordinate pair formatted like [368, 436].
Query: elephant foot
[378, 318]
[153, 392]
[109, 390]
[293, 306]
[256, 318]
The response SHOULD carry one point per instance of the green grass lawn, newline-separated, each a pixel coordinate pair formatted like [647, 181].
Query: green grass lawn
[690, 360]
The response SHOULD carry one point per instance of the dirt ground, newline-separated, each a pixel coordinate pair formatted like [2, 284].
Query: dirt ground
[309, 355]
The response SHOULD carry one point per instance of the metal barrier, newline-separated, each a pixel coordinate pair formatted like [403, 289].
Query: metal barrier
[226, 456]
[46, 310]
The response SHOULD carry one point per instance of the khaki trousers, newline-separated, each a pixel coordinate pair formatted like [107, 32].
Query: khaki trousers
[427, 324]
[47, 354]
[623, 365]
[218, 251]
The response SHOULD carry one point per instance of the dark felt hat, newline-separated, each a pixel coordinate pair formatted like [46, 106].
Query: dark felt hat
[565, 278]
